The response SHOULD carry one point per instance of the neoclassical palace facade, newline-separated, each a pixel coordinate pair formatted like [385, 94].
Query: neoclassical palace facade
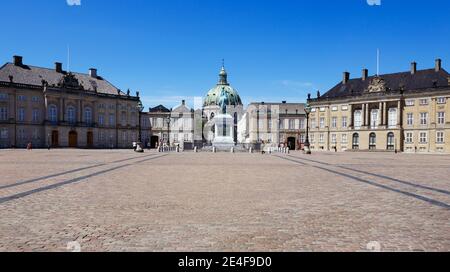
[405, 111]
[53, 107]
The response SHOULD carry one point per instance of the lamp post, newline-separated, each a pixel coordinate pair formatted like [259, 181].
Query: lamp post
[307, 145]
[168, 120]
[139, 147]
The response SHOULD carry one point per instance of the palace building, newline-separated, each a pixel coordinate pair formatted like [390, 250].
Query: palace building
[406, 111]
[53, 107]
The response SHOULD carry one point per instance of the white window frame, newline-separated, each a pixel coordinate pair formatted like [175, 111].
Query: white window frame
[440, 136]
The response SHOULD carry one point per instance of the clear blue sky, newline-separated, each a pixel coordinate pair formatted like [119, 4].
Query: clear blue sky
[274, 49]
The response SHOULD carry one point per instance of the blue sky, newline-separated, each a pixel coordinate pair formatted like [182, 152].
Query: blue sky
[273, 49]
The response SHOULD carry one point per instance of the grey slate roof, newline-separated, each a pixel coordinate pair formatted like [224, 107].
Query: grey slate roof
[159, 108]
[422, 79]
[32, 75]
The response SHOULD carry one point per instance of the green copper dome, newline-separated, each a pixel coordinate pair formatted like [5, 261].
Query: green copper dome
[212, 98]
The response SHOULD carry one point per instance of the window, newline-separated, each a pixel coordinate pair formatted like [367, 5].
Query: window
[344, 122]
[291, 124]
[52, 113]
[423, 118]
[186, 137]
[334, 139]
[358, 119]
[133, 118]
[281, 123]
[334, 122]
[21, 114]
[101, 137]
[312, 138]
[344, 108]
[124, 136]
[441, 118]
[372, 141]
[322, 109]
[409, 103]
[355, 142]
[22, 98]
[21, 134]
[335, 108]
[322, 122]
[4, 133]
[313, 123]
[3, 96]
[440, 137]
[35, 134]
[71, 114]
[3, 113]
[269, 124]
[374, 119]
[88, 115]
[423, 138]
[409, 138]
[392, 118]
[313, 109]
[123, 118]
[423, 102]
[35, 115]
[441, 100]
[302, 123]
[112, 120]
[101, 119]
[390, 141]
[344, 138]
[321, 138]
[410, 119]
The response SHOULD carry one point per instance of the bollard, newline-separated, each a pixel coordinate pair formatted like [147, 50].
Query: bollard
[288, 151]
[232, 150]
[250, 150]
[178, 149]
[214, 149]
[195, 149]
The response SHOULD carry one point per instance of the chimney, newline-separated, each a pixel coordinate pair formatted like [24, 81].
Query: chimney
[346, 77]
[18, 60]
[183, 102]
[413, 68]
[438, 65]
[93, 72]
[58, 67]
[365, 74]
[283, 102]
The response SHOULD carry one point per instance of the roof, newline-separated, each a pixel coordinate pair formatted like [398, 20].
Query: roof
[407, 81]
[213, 96]
[159, 108]
[32, 75]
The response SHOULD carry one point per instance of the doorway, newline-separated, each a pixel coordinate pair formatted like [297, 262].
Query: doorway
[291, 143]
[154, 140]
[90, 139]
[73, 139]
[55, 138]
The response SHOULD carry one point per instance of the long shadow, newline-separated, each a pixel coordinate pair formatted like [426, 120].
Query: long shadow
[381, 176]
[57, 185]
[422, 198]
[67, 172]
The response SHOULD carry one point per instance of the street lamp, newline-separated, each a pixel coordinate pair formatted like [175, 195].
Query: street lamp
[307, 145]
[139, 147]
[168, 121]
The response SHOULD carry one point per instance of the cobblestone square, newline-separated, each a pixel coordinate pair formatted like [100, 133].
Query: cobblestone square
[117, 200]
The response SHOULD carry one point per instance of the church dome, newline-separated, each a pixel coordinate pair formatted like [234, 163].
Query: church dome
[213, 96]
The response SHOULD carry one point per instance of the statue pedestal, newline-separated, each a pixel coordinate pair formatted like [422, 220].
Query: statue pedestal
[224, 131]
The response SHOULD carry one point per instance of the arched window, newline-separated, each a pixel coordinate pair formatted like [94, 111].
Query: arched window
[71, 114]
[355, 141]
[392, 118]
[52, 113]
[88, 115]
[357, 119]
[212, 115]
[390, 141]
[372, 141]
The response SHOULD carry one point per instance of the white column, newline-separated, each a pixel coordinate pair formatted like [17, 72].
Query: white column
[380, 114]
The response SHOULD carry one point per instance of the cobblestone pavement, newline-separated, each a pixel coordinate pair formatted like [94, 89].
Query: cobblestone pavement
[123, 201]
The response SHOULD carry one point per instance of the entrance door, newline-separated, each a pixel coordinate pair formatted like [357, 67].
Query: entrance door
[90, 139]
[154, 141]
[355, 141]
[291, 143]
[390, 141]
[55, 138]
[73, 139]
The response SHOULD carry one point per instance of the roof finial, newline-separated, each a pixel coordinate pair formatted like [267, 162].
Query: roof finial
[223, 63]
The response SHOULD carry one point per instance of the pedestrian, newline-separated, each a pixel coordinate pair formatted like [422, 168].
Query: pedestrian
[29, 146]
